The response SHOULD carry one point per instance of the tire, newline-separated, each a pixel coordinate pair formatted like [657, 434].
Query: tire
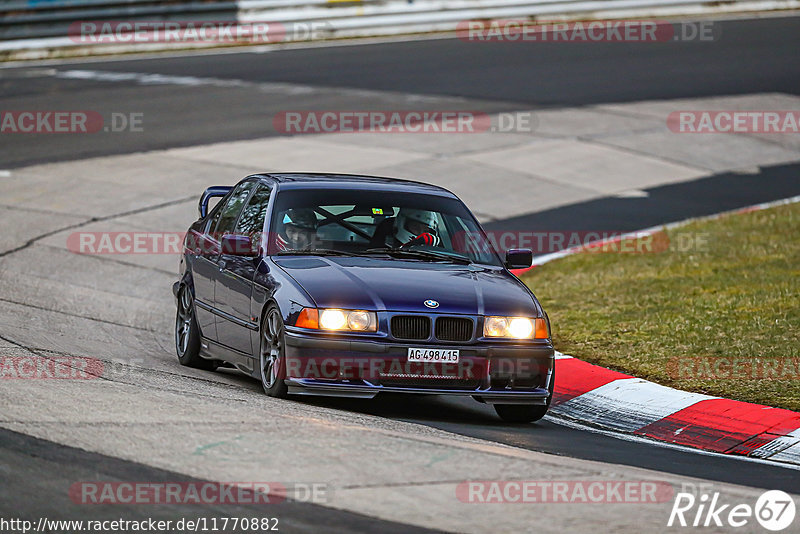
[187, 334]
[526, 413]
[271, 354]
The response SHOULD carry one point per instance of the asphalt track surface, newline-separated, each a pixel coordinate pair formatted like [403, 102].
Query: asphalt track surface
[42, 468]
[750, 57]
[666, 203]
[465, 416]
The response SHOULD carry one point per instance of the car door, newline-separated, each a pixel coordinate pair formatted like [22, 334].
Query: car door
[205, 251]
[235, 281]
[207, 268]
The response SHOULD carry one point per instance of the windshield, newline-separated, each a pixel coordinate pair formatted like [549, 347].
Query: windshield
[358, 222]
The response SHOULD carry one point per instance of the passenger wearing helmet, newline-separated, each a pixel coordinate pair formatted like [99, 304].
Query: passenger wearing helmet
[300, 227]
[413, 226]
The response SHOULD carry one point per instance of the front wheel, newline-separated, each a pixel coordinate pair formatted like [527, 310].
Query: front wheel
[271, 354]
[526, 413]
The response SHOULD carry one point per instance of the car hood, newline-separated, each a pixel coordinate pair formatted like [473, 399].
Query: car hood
[401, 285]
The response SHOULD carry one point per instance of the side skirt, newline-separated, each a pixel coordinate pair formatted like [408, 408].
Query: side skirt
[212, 350]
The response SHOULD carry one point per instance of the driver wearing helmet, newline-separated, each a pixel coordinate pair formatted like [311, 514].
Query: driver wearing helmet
[413, 226]
[300, 227]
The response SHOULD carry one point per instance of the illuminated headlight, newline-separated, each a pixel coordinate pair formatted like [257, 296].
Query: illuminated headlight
[332, 319]
[515, 327]
[355, 320]
[520, 327]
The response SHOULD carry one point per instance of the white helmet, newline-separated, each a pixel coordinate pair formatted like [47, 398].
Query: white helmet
[403, 233]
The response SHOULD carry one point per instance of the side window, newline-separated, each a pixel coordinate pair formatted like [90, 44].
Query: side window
[251, 222]
[212, 223]
[225, 218]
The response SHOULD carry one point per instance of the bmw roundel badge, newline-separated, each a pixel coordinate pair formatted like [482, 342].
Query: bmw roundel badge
[431, 303]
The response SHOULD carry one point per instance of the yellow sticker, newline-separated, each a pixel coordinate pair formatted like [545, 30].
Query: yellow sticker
[377, 211]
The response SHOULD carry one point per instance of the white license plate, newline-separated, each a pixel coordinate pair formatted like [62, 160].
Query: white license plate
[432, 355]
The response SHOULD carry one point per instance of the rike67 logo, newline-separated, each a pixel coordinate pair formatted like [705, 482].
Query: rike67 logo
[774, 510]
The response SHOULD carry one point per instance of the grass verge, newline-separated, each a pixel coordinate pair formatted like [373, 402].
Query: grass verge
[716, 312]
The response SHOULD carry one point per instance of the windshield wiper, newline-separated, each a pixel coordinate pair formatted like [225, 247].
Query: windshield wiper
[422, 254]
[316, 252]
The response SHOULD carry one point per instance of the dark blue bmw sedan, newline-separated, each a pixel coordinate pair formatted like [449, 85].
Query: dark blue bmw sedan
[342, 285]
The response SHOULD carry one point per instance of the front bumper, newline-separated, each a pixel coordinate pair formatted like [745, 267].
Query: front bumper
[362, 368]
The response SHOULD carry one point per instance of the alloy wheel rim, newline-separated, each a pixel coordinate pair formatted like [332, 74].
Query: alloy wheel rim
[270, 350]
[184, 321]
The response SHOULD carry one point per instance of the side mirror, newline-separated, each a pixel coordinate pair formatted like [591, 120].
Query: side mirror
[214, 191]
[519, 258]
[237, 245]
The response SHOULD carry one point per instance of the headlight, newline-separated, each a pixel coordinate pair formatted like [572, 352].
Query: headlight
[515, 327]
[520, 327]
[332, 319]
[359, 320]
[495, 326]
[335, 319]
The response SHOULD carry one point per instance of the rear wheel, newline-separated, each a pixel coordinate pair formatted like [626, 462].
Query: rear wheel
[187, 334]
[526, 413]
[271, 354]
